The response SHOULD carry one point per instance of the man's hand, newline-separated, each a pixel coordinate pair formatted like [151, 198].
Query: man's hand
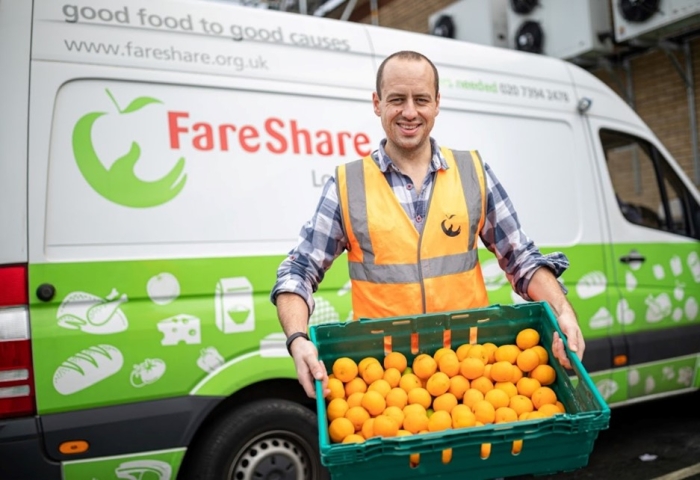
[309, 368]
[574, 337]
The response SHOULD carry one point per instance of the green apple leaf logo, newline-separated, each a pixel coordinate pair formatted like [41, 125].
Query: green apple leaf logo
[119, 184]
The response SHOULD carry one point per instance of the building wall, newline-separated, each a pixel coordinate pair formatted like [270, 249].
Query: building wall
[660, 95]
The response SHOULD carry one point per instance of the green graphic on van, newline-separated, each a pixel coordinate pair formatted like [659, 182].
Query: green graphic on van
[119, 183]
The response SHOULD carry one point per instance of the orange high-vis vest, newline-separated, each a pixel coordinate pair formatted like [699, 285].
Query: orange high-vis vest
[394, 270]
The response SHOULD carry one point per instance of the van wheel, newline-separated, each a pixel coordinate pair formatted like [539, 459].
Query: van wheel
[270, 439]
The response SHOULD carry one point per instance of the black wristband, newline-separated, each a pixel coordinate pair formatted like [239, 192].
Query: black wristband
[293, 337]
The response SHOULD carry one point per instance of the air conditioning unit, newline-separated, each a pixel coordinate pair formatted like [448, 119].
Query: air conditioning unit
[654, 19]
[567, 29]
[476, 21]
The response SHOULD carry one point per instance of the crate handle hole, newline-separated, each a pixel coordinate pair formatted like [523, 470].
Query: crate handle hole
[517, 447]
[387, 345]
[485, 451]
[414, 460]
[447, 455]
[414, 343]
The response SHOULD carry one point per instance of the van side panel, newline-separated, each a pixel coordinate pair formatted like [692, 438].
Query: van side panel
[15, 35]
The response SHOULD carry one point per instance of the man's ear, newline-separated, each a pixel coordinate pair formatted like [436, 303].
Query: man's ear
[375, 104]
[437, 104]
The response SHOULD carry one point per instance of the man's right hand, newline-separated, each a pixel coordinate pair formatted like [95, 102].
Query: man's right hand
[308, 366]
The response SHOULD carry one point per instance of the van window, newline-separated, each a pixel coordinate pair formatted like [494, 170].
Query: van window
[649, 192]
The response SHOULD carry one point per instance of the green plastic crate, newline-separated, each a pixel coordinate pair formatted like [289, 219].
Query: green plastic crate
[555, 444]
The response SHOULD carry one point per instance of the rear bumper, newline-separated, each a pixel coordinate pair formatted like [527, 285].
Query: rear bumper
[21, 452]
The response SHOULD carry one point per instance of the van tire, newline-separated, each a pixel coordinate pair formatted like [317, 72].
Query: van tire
[258, 438]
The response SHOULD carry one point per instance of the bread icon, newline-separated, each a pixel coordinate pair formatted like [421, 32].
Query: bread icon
[87, 368]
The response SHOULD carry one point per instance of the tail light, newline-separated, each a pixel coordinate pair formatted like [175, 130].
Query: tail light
[16, 373]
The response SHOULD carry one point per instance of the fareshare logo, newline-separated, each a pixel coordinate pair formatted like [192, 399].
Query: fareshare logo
[119, 183]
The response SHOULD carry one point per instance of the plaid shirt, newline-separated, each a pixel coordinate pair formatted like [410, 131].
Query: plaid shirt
[322, 240]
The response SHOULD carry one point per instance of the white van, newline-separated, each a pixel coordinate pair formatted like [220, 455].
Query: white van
[157, 160]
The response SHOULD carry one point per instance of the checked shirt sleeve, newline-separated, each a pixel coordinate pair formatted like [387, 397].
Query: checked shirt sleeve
[517, 254]
[321, 241]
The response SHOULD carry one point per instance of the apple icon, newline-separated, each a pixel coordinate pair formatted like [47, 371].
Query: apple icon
[119, 183]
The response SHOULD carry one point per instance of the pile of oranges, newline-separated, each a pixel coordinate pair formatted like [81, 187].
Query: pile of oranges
[473, 385]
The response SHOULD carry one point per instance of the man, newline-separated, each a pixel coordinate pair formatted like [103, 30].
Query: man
[409, 216]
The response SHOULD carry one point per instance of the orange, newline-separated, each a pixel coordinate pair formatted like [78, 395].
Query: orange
[497, 397]
[415, 422]
[485, 450]
[462, 417]
[517, 447]
[374, 403]
[491, 351]
[507, 353]
[440, 352]
[385, 426]
[542, 352]
[487, 370]
[471, 368]
[548, 410]
[337, 389]
[535, 414]
[507, 387]
[358, 416]
[381, 386]
[471, 396]
[527, 338]
[355, 399]
[543, 396]
[505, 414]
[374, 371]
[340, 428]
[396, 413]
[362, 365]
[409, 381]
[336, 409]
[482, 384]
[517, 374]
[445, 402]
[354, 438]
[545, 374]
[478, 351]
[345, 369]
[562, 409]
[458, 385]
[397, 397]
[440, 420]
[368, 428]
[392, 376]
[424, 366]
[449, 363]
[484, 412]
[438, 383]
[355, 385]
[420, 396]
[524, 416]
[521, 404]
[396, 360]
[502, 371]
[527, 360]
[462, 351]
[527, 385]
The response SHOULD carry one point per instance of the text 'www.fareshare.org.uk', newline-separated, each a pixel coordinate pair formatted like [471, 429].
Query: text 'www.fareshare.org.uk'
[167, 54]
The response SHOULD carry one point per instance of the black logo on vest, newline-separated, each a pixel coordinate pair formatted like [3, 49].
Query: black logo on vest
[447, 228]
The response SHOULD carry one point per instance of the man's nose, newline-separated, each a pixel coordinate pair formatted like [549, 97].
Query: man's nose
[409, 109]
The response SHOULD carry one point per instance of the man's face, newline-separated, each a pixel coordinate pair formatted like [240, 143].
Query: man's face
[408, 106]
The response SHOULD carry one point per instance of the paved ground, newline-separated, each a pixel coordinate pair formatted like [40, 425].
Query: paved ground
[668, 428]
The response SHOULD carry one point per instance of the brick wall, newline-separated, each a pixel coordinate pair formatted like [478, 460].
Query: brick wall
[660, 93]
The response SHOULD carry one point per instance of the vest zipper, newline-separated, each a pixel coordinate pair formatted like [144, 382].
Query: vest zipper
[420, 245]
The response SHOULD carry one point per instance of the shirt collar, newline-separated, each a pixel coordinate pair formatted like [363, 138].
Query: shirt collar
[437, 161]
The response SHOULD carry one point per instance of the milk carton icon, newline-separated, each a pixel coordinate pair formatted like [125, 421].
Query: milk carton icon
[234, 305]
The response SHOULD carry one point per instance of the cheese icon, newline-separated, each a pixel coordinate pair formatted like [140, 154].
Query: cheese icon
[180, 328]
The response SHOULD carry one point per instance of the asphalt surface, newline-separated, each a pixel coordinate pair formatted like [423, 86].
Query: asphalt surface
[666, 432]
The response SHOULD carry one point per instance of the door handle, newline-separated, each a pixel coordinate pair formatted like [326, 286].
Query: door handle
[633, 256]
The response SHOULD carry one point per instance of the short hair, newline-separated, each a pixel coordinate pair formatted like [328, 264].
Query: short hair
[406, 55]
